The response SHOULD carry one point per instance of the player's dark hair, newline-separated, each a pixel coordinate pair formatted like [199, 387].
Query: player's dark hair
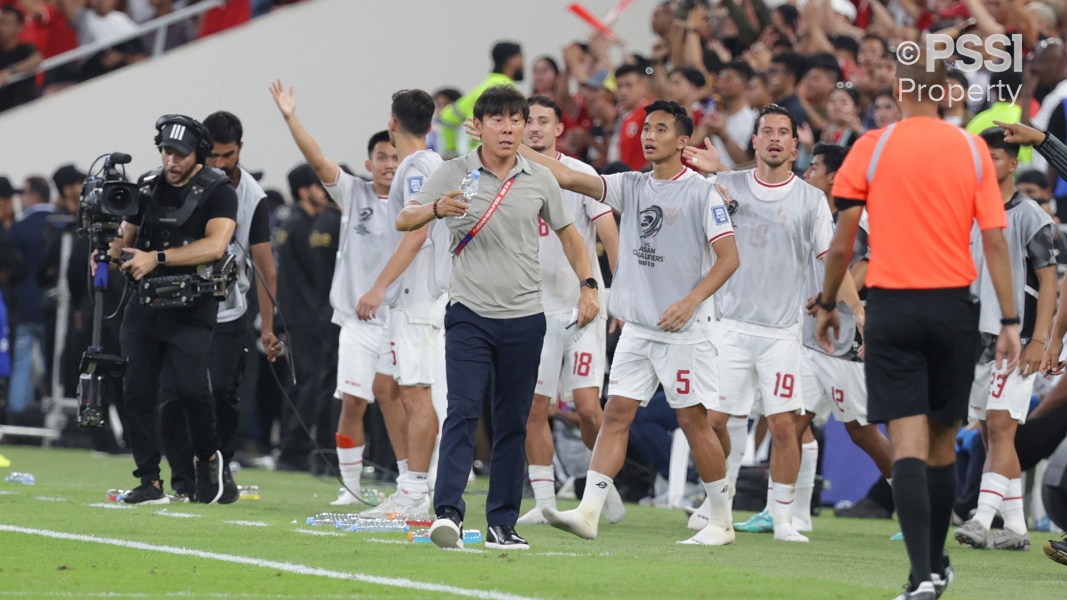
[381, 136]
[774, 109]
[849, 89]
[451, 93]
[879, 39]
[790, 15]
[994, 138]
[551, 62]
[683, 123]
[502, 51]
[501, 100]
[628, 68]
[413, 111]
[39, 186]
[1033, 176]
[833, 156]
[741, 67]
[887, 92]
[547, 102]
[826, 62]
[11, 10]
[957, 76]
[224, 127]
[792, 62]
[846, 43]
[692, 75]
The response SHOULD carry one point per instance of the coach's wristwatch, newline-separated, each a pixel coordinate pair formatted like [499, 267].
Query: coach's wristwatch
[161, 257]
[589, 283]
[1012, 321]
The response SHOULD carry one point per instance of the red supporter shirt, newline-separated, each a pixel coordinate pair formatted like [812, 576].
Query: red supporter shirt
[628, 138]
[234, 13]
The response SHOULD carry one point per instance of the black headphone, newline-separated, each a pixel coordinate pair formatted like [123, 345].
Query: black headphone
[205, 146]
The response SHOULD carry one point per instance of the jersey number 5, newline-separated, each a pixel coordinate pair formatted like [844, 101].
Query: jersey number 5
[683, 382]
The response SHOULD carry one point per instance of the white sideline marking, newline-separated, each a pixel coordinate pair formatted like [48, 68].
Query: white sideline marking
[158, 594]
[112, 505]
[271, 564]
[180, 515]
[49, 499]
[381, 541]
[317, 532]
[7, 492]
[249, 523]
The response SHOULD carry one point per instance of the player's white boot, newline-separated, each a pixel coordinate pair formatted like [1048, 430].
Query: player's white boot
[782, 513]
[535, 516]
[701, 517]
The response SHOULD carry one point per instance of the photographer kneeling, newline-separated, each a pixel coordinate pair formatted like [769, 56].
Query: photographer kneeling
[185, 220]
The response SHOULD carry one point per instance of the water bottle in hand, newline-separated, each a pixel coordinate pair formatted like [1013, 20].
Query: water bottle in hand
[469, 187]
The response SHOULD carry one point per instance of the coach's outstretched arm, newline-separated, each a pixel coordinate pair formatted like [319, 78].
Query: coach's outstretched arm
[568, 178]
[325, 168]
[1048, 145]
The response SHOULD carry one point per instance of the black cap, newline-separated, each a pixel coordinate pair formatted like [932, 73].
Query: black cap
[180, 137]
[67, 175]
[6, 189]
[301, 177]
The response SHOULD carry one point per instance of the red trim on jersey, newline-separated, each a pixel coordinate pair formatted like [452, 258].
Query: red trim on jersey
[721, 235]
[1014, 498]
[336, 179]
[991, 492]
[678, 176]
[559, 156]
[603, 214]
[823, 254]
[536, 480]
[604, 195]
[780, 502]
[773, 185]
[380, 197]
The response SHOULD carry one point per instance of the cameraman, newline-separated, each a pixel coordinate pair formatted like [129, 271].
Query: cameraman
[185, 219]
[232, 335]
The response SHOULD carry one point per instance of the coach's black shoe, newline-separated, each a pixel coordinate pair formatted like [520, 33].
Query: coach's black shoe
[1057, 550]
[209, 479]
[504, 537]
[146, 493]
[923, 591]
[230, 492]
[447, 529]
[864, 509]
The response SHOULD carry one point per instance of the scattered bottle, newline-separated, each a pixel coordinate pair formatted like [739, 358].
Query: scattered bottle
[379, 525]
[249, 492]
[371, 496]
[470, 536]
[414, 520]
[23, 478]
[469, 187]
[114, 495]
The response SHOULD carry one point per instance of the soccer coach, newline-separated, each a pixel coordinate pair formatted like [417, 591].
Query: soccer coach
[923, 183]
[495, 323]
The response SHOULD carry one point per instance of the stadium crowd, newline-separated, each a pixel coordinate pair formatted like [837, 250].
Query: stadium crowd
[823, 69]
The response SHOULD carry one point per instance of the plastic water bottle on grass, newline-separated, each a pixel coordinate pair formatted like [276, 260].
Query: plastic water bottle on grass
[472, 536]
[23, 478]
[371, 496]
[469, 187]
[380, 525]
[249, 492]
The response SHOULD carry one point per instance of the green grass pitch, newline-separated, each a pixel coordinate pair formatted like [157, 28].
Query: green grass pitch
[261, 549]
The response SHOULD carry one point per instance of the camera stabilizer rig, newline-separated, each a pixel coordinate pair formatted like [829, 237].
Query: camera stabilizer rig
[107, 198]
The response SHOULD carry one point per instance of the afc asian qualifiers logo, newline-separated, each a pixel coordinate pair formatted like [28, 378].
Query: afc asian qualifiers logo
[414, 184]
[651, 221]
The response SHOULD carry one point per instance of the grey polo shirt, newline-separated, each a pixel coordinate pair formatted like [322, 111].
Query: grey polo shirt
[498, 274]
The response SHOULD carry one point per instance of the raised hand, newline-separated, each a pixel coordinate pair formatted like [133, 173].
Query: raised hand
[286, 101]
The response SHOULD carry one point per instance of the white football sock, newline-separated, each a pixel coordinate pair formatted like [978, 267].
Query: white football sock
[809, 459]
[993, 490]
[737, 428]
[350, 461]
[415, 485]
[1012, 507]
[718, 502]
[401, 470]
[543, 482]
[597, 486]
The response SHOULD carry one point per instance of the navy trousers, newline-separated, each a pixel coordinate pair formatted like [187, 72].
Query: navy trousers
[498, 359]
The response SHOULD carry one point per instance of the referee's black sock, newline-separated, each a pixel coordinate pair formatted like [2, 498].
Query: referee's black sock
[941, 481]
[912, 496]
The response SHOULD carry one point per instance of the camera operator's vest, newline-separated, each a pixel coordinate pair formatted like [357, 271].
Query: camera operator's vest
[160, 226]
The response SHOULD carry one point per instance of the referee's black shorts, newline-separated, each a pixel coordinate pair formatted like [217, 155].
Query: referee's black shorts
[921, 348]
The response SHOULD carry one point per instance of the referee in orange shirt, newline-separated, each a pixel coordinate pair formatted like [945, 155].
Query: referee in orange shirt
[923, 183]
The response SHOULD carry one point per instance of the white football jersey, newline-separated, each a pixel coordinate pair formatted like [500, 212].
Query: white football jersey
[846, 344]
[367, 241]
[665, 238]
[418, 288]
[779, 227]
[559, 284]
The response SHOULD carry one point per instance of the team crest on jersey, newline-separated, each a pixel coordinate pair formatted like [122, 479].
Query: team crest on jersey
[670, 215]
[631, 130]
[414, 184]
[651, 221]
[719, 212]
[364, 216]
